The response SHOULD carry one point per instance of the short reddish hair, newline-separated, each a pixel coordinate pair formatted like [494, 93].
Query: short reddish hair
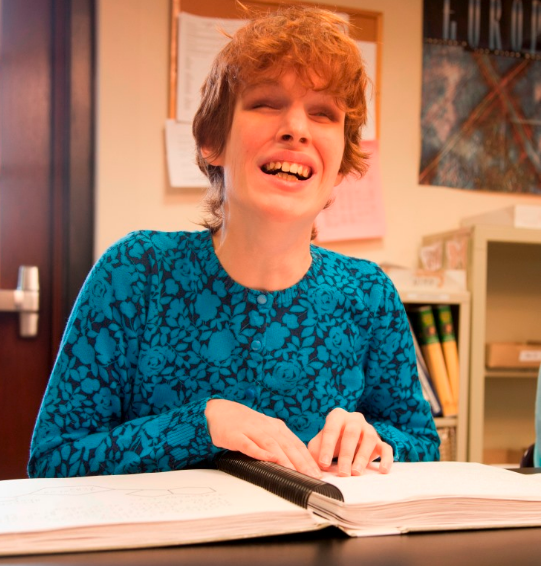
[312, 42]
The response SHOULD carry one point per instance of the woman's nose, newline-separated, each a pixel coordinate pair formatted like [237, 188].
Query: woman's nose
[294, 128]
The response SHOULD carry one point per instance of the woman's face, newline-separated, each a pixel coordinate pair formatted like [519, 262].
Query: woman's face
[283, 153]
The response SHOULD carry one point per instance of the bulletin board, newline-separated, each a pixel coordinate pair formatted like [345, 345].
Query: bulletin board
[366, 26]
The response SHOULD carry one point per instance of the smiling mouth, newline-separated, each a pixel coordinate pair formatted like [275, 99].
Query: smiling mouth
[288, 171]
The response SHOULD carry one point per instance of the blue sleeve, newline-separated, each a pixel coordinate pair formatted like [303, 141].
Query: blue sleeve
[393, 401]
[86, 425]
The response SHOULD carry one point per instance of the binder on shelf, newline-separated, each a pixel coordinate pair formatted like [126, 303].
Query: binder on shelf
[434, 357]
[428, 389]
[448, 341]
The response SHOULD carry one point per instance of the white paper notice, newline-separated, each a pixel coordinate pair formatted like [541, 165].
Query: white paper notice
[181, 160]
[368, 53]
[358, 209]
[200, 40]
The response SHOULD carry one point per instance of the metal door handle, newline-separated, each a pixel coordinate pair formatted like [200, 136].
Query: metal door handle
[24, 299]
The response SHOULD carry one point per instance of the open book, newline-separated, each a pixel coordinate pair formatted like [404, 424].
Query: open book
[195, 506]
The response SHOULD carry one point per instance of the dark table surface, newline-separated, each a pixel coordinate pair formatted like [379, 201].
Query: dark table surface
[330, 547]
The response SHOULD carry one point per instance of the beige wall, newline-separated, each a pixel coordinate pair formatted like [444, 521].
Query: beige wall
[133, 38]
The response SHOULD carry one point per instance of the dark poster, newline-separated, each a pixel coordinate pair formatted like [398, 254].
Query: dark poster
[481, 95]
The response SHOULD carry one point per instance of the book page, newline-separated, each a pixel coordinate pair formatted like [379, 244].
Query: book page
[430, 480]
[188, 495]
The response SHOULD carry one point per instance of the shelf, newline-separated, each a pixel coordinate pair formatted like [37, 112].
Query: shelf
[454, 446]
[445, 421]
[504, 280]
[511, 373]
[421, 296]
[490, 233]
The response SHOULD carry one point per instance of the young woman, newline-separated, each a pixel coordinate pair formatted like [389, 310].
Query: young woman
[245, 336]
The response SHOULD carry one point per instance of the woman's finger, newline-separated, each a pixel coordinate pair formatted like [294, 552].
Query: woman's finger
[314, 446]
[369, 448]
[330, 437]
[250, 448]
[267, 443]
[381, 450]
[386, 458]
[303, 461]
[350, 441]
[296, 451]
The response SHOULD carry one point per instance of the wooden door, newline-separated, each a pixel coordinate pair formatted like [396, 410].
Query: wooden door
[46, 164]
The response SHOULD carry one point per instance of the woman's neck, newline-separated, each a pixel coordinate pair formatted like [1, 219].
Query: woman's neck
[269, 258]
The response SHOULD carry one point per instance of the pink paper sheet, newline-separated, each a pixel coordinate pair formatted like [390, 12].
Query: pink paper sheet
[358, 210]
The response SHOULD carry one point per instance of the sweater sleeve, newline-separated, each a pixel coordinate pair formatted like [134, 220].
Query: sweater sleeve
[86, 425]
[393, 401]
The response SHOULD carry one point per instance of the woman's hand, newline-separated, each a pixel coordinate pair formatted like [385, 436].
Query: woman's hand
[351, 439]
[236, 427]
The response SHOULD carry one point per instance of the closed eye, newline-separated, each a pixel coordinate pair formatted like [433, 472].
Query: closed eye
[266, 105]
[326, 114]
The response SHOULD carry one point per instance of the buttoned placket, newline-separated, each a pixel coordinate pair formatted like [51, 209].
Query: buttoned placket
[261, 306]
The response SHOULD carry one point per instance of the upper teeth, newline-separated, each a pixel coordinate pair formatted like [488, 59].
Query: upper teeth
[287, 167]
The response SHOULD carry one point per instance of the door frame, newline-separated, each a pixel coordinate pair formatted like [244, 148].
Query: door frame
[73, 153]
[47, 122]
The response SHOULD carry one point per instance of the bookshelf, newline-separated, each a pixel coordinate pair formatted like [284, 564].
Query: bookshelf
[504, 280]
[453, 430]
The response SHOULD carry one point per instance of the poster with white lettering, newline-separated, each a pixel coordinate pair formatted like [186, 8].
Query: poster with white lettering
[480, 115]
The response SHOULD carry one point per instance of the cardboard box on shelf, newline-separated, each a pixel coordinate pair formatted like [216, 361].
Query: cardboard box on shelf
[500, 456]
[513, 355]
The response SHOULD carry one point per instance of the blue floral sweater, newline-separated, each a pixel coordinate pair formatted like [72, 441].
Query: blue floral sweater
[160, 328]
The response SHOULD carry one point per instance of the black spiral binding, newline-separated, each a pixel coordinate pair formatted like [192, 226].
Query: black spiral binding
[288, 484]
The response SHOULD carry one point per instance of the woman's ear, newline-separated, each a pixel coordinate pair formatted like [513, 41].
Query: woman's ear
[210, 156]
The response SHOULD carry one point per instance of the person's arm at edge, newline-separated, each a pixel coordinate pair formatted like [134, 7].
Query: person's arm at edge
[71, 436]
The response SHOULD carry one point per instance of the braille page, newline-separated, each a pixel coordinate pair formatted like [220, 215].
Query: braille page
[431, 480]
[190, 495]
